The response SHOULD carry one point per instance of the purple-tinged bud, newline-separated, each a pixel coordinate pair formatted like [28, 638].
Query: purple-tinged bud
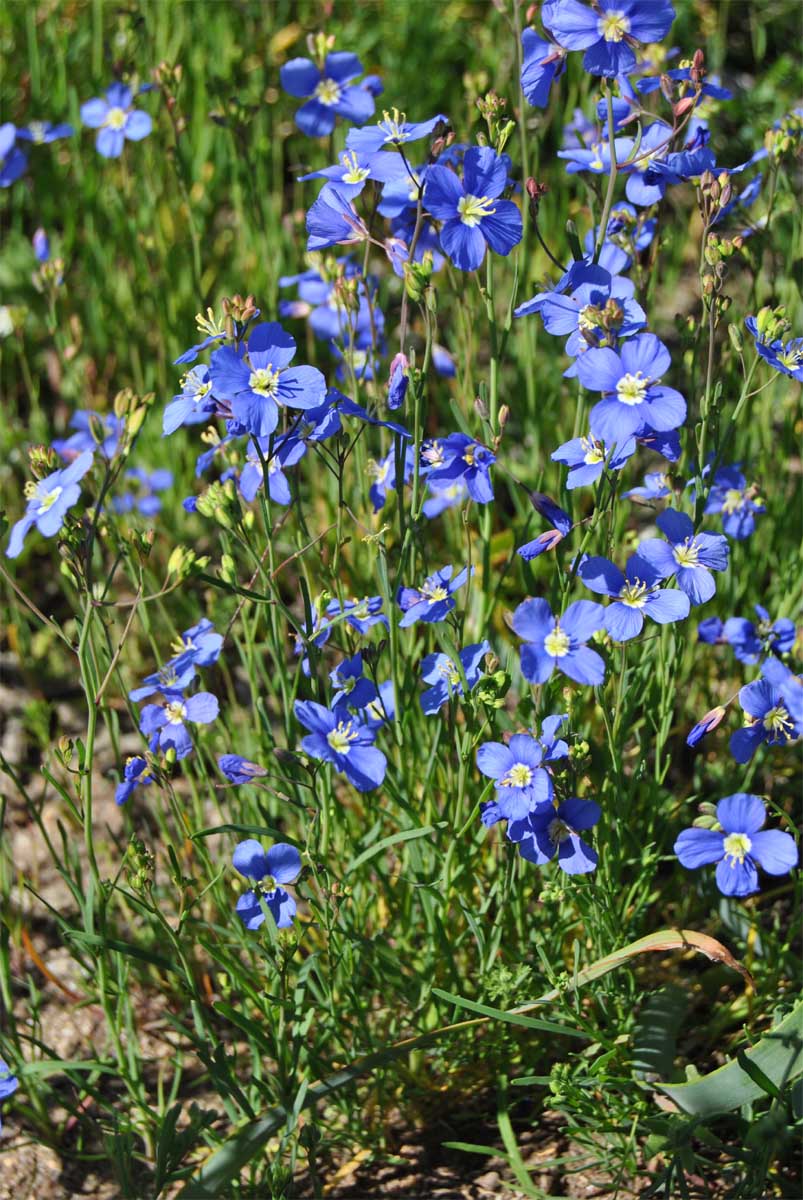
[398, 381]
[540, 545]
[705, 725]
[41, 245]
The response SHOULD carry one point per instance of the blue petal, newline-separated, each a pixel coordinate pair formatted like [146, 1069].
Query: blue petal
[737, 879]
[284, 862]
[741, 813]
[774, 851]
[250, 859]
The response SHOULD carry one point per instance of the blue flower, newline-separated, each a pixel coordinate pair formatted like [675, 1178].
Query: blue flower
[441, 672]
[784, 357]
[281, 864]
[459, 457]
[360, 615]
[587, 458]
[193, 405]
[144, 496]
[135, 774]
[171, 680]
[471, 211]
[655, 169]
[116, 120]
[331, 92]
[689, 556]
[287, 451]
[551, 642]
[49, 501]
[434, 600]
[352, 689]
[547, 832]
[393, 130]
[93, 431]
[597, 158]
[656, 487]
[258, 379]
[441, 496]
[355, 169]
[767, 720]
[333, 221]
[12, 160]
[42, 133]
[8, 1083]
[597, 312]
[240, 770]
[522, 783]
[542, 63]
[635, 594]
[610, 32]
[731, 496]
[335, 737]
[165, 725]
[739, 847]
[749, 641]
[198, 645]
[629, 383]
[384, 473]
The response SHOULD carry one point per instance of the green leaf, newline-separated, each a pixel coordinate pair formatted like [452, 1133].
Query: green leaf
[407, 835]
[92, 940]
[775, 1061]
[511, 1018]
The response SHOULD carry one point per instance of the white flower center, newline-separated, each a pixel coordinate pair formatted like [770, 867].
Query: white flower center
[776, 720]
[687, 554]
[354, 173]
[734, 500]
[115, 118]
[47, 500]
[790, 357]
[613, 26]
[175, 712]
[631, 389]
[328, 92]
[264, 381]
[737, 846]
[340, 739]
[519, 775]
[393, 124]
[472, 209]
[434, 592]
[557, 643]
[594, 452]
[634, 595]
[37, 131]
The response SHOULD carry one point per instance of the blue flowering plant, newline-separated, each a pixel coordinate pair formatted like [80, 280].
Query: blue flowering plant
[367, 647]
